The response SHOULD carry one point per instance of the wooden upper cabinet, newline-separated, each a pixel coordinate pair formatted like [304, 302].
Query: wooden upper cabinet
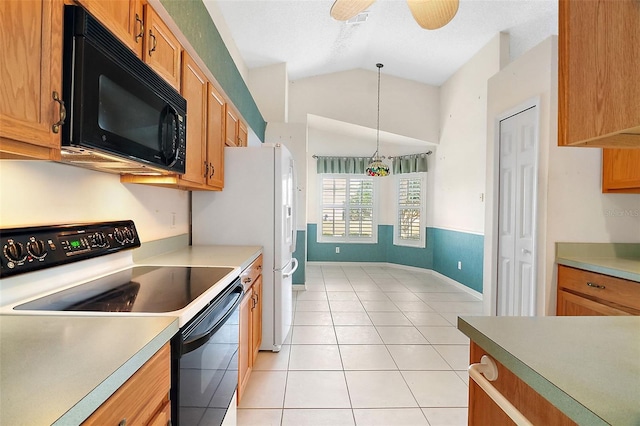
[621, 170]
[124, 18]
[161, 48]
[31, 40]
[231, 125]
[598, 85]
[215, 138]
[242, 133]
[194, 90]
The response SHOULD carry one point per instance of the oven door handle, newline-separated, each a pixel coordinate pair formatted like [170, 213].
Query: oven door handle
[192, 342]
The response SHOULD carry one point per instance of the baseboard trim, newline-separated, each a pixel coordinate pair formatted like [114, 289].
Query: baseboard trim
[451, 281]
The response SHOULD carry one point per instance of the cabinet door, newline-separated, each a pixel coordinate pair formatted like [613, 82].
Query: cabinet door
[242, 133]
[231, 126]
[140, 398]
[599, 55]
[31, 40]
[215, 138]
[570, 304]
[244, 344]
[256, 320]
[194, 90]
[161, 49]
[122, 17]
[621, 170]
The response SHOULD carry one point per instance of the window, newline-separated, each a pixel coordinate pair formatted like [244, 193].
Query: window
[347, 209]
[409, 229]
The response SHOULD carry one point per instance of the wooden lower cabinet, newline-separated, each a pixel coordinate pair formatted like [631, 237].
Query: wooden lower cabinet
[250, 323]
[141, 400]
[483, 411]
[585, 293]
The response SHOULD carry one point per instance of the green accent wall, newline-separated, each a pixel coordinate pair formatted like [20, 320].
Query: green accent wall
[300, 254]
[194, 21]
[444, 248]
[453, 246]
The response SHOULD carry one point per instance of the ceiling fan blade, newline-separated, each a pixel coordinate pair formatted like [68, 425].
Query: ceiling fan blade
[433, 14]
[343, 10]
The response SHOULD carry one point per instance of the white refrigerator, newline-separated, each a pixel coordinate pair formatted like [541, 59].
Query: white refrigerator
[257, 207]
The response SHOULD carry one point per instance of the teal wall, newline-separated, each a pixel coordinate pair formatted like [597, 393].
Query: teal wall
[300, 255]
[443, 250]
[194, 21]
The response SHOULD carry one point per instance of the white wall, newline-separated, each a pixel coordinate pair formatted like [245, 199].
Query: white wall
[42, 192]
[458, 173]
[270, 89]
[407, 108]
[571, 207]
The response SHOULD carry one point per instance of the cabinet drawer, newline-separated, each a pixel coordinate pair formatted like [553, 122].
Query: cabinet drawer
[140, 397]
[615, 291]
[251, 273]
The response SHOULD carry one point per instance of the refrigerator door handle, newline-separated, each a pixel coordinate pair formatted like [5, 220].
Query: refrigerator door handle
[294, 261]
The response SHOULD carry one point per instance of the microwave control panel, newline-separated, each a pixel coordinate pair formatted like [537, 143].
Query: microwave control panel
[34, 248]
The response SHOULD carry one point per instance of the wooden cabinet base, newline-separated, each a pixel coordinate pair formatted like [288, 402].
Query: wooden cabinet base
[483, 411]
[142, 399]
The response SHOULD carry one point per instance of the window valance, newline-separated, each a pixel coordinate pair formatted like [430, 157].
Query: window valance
[349, 165]
[410, 163]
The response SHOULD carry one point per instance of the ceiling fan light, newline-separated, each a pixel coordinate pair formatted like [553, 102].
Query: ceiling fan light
[433, 14]
[343, 10]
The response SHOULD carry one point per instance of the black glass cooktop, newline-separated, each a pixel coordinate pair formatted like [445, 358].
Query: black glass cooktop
[138, 289]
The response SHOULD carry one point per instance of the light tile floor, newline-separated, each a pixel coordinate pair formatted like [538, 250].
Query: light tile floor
[369, 346]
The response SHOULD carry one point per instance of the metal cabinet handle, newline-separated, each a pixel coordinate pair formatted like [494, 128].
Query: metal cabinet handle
[155, 43]
[63, 113]
[123, 422]
[594, 285]
[246, 280]
[206, 169]
[213, 171]
[141, 32]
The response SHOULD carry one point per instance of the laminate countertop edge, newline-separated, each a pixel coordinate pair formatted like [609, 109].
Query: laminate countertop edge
[543, 352]
[628, 269]
[87, 405]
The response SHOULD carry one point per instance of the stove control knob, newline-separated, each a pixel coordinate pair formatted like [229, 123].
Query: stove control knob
[36, 248]
[118, 235]
[99, 239]
[14, 251]
[128, 235]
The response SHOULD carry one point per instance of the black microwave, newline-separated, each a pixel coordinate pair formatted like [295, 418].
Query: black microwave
[122, 117]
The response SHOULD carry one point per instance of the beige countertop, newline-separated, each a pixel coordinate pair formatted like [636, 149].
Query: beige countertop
[58, 370]
[617, 260]
[588, 367]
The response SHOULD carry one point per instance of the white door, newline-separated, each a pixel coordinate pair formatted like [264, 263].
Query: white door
[516, 289]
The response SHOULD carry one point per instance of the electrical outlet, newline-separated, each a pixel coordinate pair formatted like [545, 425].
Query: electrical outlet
[173, 220]
[460, 264]
[337, 250]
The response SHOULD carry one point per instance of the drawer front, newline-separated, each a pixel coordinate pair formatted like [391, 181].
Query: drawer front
[602, 287]
[251, 273]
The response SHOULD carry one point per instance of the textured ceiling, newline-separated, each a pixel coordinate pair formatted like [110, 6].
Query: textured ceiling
[302, 34]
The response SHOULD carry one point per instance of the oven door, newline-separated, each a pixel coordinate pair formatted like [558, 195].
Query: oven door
[118, 105]
[205, 362]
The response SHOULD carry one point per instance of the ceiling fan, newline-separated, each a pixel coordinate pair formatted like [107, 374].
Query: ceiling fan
[429, 14]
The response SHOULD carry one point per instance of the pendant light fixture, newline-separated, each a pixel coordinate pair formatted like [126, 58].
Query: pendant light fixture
[377, 167]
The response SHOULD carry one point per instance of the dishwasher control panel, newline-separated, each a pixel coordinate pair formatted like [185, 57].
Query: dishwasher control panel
[28, 249]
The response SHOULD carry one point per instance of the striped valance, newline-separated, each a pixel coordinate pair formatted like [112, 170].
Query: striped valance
[350, 165]
[410, 163]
